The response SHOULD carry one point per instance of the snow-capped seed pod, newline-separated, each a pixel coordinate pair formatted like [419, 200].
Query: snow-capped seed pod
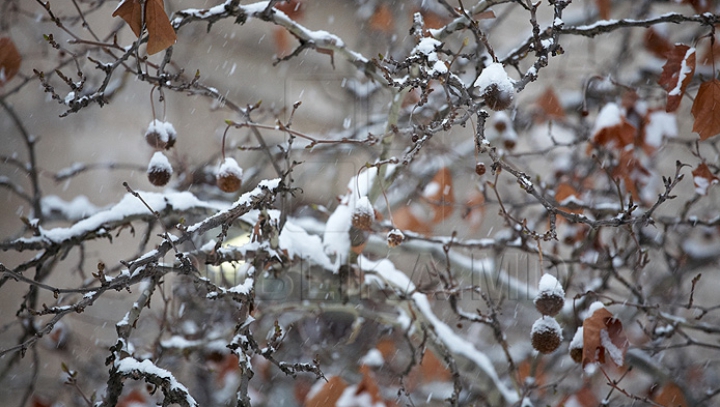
[495, 87]
[395, 237]
[576, 346]
[550, 297]
[229, 175]
[159, 169]
[363, 215]
[546, 335]
[160, 135]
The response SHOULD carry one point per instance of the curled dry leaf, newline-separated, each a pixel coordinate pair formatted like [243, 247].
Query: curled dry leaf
[439, 193]
[382, 19]
[703, 178]
[549, 104]
[433, 20]
[161, 34]
[405, 218]
[677, 74]
[656, 43]
[568, 198]
[603, 7]
[368, 385]
[612, 128]
[671, 395]
[294, 9]
[10, 60]
[630, 169]
[603, 335]
[328, 394]
[706, 109]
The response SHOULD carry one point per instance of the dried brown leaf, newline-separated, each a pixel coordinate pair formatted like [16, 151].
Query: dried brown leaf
[706, 109]
[161, 34]
[594, 351]
[603, 7]
[549, 104]
[619, 135]
[677, 74]
[439, 193]
[295, 9]
[382, 19]
[10, 60]
[404, 219]
[671, 395]
[703, 178]
[433, 20]
[329, 394]
[656, 43]
[631, 170]
[368, 385]
[565, 191]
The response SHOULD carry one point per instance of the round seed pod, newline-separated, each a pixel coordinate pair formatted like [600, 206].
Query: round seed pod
[395, 237]
[576, 346]
[229, 176]
[546, 335]
[363, 215]
[159, 170]
[496, 98]
[160, 135]
[550, 297]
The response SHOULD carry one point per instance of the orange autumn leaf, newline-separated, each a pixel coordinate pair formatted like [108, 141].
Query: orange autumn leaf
[439, 193]
[703, 178]
[229, 365]
[603, 7]
[619, 135]
[549, 104]
[282, 41]
[632, 172]
[568, 198]
[528, 369]
[433, 20]
[603, 336]
[329, 394]
[432, 369]
[706, 109]
[656, 43]
[10, 60]
[134, 398]
[382, 19]
[368, 385]
[671, 395]
[404, 219]
[39, 402]
[295, 9]
[161, 34]
[387, 348]
[677, 74]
